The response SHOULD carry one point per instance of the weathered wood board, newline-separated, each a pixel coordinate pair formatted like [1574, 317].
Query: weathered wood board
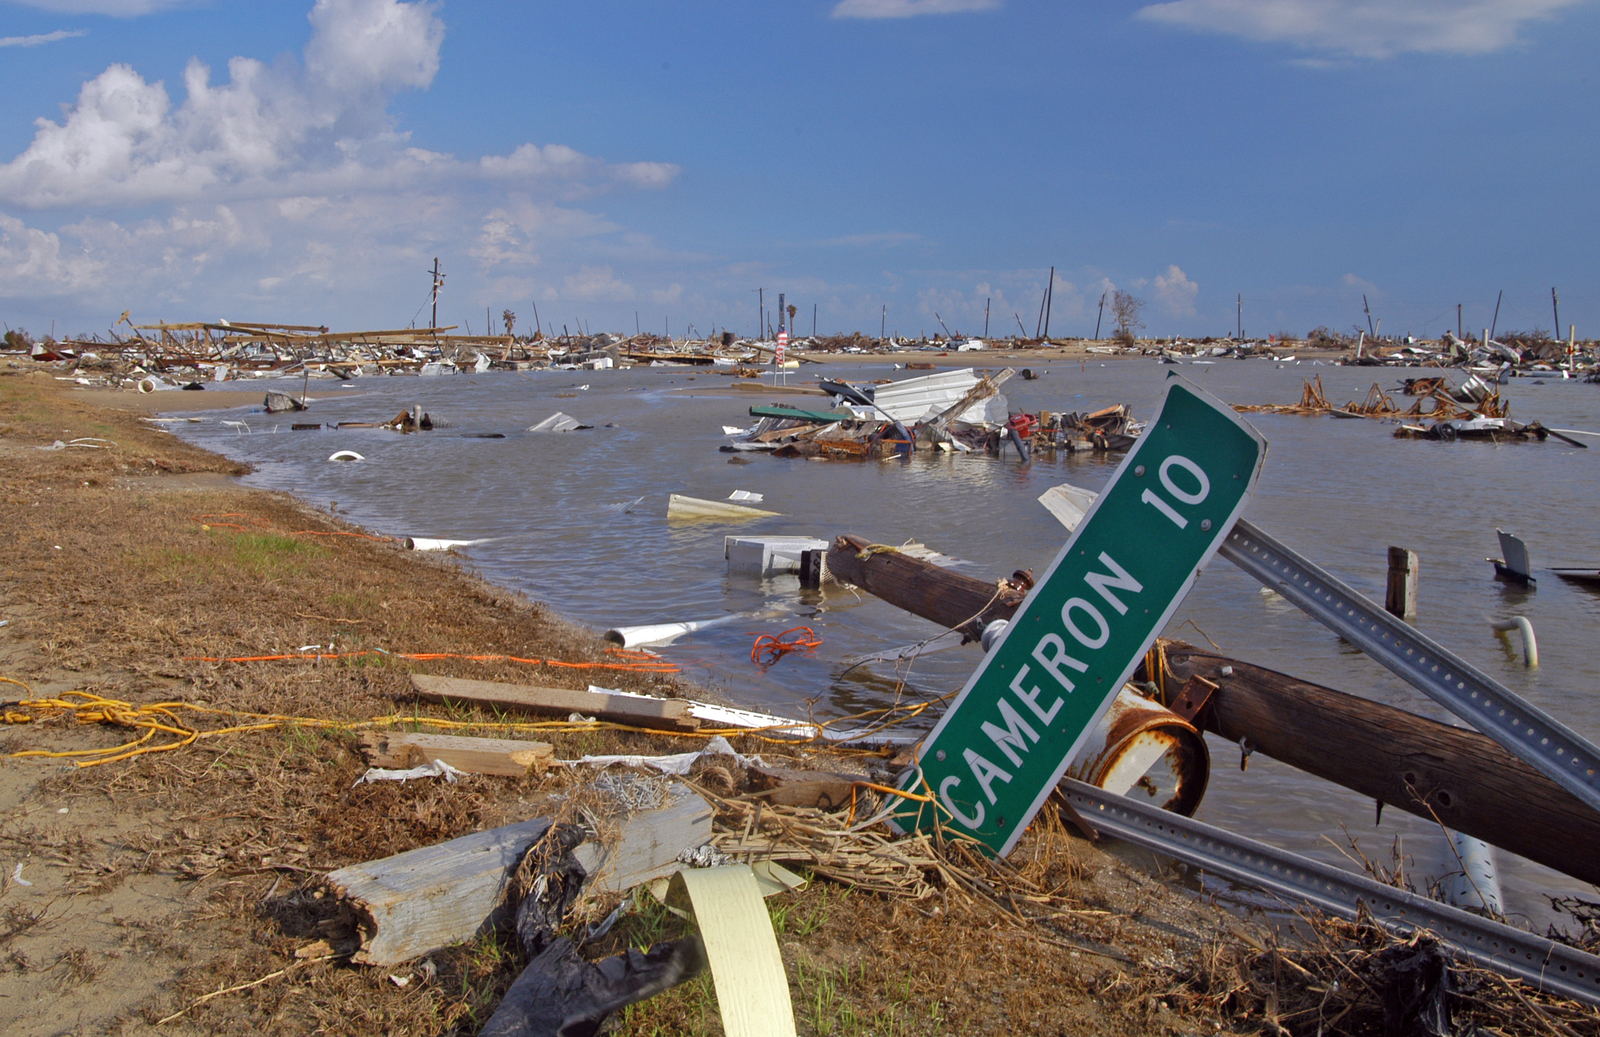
[505, 757]
[666, 714]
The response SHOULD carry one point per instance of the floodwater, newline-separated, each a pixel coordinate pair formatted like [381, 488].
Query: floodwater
[578, 520]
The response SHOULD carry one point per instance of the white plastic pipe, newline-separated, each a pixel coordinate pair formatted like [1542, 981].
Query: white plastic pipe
[1530, 644]
[660, 633]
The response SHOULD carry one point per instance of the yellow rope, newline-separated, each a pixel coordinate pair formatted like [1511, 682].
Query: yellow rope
[158, 718]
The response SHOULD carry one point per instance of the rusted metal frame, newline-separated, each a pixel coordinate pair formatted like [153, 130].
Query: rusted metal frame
[1535, 736]
[1541, 963]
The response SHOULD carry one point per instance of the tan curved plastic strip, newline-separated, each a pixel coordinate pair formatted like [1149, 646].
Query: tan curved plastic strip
[752, 988]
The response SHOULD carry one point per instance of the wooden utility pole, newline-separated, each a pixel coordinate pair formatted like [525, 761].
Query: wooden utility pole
[1495, 323]
[1239, 330]
[1458, 320]
[1368, 309]
[1099, 315]
[986, 318]
[438, 282]
[1555, 305]
[883, 321]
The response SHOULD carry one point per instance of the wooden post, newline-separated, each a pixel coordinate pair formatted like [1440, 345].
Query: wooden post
[1401, 599]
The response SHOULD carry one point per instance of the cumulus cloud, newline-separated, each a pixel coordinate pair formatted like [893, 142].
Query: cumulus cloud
[278, 131]
[1175, 293]
[290, 181]
[43, 37]
[1364, 28]
[908, 8]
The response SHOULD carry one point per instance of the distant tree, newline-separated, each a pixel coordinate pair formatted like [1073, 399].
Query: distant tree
[1126, 310]
[792, 311]
[510, 319]
[18, 338]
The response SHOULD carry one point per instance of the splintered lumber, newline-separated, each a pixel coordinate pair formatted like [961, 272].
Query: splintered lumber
[639, 710]
[942, 595]
[1457, 777]
[433, 896]
[436, 896]
[506, 757]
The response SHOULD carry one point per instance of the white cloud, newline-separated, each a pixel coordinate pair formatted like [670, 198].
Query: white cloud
[1359, 284]
[280, 131]
[289, 186]
[43, 37]
[117, 8]
[1364, 28]
[1175, 292]
[908, 8]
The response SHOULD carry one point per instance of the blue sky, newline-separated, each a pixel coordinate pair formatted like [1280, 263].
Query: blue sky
[603, 159]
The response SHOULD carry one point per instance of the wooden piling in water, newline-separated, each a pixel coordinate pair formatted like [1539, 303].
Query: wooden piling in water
[1401, 596]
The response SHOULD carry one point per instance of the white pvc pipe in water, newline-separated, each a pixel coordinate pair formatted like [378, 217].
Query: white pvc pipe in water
[430, 544]
[661, 633]
[1530, 644]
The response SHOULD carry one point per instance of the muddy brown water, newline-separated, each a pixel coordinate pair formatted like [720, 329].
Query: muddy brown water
[579, 520]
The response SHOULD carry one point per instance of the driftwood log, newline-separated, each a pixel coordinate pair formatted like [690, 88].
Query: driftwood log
[1458, 777]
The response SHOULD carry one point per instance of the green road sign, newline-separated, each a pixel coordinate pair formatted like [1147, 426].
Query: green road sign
[1078, 636]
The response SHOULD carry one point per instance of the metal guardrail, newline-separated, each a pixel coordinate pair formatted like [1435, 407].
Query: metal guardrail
[1527, 731]
[1542, 963]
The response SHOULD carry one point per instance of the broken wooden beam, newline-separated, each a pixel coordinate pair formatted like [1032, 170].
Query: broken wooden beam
[504, 757]
[435, 896]
[638, 710]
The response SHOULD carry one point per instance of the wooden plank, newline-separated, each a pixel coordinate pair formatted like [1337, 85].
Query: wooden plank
[436, 896]
[506, 757]
[663, 714]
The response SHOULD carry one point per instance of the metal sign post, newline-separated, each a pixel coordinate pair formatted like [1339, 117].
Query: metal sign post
[1011, 733]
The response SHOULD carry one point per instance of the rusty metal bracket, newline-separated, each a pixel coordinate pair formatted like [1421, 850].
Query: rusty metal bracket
[1192, 698]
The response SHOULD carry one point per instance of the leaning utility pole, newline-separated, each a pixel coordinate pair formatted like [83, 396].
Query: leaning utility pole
[1496, 322]
[1099, 315]
[438, 282]
[1370, 329]
[1049, 301]
[1555, 304]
